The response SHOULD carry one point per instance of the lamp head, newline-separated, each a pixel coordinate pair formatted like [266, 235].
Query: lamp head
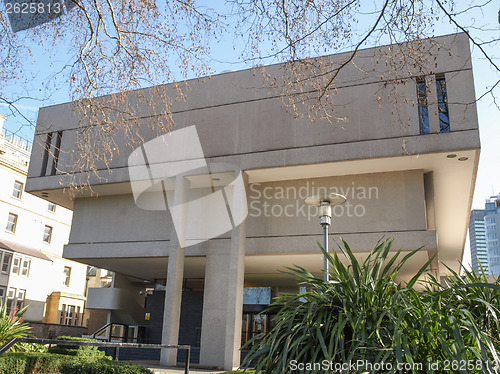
[325, 201]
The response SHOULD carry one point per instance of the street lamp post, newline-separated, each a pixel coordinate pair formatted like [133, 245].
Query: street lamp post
[324, 202]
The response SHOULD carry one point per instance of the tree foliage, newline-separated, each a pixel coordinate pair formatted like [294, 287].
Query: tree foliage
[114, 46]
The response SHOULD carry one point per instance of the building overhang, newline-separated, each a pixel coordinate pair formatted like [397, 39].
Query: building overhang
[453, 173]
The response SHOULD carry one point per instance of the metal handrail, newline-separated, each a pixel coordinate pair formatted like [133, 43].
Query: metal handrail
[13, 341]
[102, 329]
[109, 334]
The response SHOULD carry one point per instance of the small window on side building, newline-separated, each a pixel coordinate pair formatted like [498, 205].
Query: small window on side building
[11, 223]
[17, 192]
[91, 271]
[51, 207]
[62, 314]
[7, 259]
[16, 264]
[67, 275]
[11, 297]
[70, 313]
[47, 234]
[21, 294]
[25, 269]
[77, 316]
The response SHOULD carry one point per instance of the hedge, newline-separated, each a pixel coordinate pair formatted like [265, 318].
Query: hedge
[101, 367]
[32, 363]
[28, 347]
[38, 363]
[76, 338]
[75, 350]
[78, 351]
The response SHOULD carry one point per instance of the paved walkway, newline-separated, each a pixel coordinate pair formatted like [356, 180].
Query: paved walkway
[181, 370]
[157, 369]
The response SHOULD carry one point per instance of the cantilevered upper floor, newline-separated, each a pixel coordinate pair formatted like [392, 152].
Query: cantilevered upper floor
[408, 132]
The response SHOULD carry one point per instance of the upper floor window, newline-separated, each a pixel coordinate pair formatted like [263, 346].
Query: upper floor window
[442, 104]
[25, 269]
[67, 275]
[16, 264]
[18, 190]
[423, 109]
[53, 148]
[51, 207]
[47, 234]
[492, 235]
[442, 98]
[11, 223]
[7, 259]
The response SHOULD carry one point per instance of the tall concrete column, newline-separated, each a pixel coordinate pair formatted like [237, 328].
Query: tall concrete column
[223, 297]
[175, 274]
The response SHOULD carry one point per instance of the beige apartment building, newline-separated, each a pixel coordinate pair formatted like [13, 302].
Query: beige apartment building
[407, 172]
[34, 231]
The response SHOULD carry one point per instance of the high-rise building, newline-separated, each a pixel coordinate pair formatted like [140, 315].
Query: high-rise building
[492, 231]
[477, 236]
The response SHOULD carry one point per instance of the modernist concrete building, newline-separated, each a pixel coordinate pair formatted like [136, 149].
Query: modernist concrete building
[407, 167]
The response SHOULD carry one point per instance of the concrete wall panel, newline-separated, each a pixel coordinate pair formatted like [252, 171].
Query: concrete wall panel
[97, 218]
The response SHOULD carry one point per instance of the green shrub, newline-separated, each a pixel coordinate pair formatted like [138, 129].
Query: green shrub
[101, 367]
[28, 347]
[31, 363]
[75, 350]
[38, 363]
[12, 324]
[93, 352]
[365, 314]
[76, 338]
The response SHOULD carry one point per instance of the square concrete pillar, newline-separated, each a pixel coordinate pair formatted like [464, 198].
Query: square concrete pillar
[175, 274]
[223, 298]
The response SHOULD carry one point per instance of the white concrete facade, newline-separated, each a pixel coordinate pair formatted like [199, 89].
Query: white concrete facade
[398, 182]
